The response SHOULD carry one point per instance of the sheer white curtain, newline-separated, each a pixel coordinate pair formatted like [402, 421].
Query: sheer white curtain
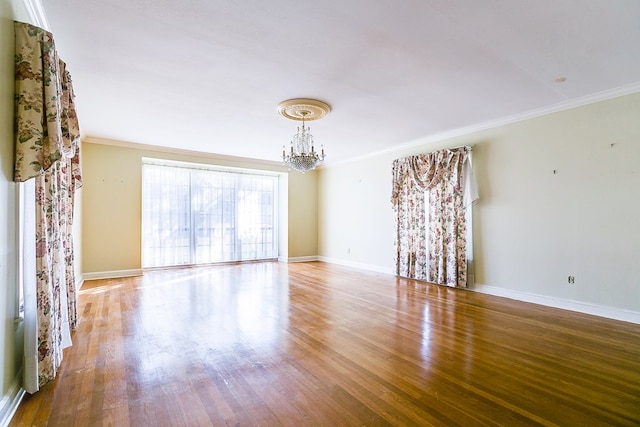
[28, 273]
[197, 216]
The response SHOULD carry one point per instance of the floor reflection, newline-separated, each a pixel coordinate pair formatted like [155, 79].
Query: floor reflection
[210, 312]
[319, 344]
[425, 345]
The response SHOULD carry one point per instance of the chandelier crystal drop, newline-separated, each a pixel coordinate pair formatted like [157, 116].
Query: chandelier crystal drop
[302, 155]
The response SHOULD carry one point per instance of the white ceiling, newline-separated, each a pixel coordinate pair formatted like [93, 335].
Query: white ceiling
[207, 75]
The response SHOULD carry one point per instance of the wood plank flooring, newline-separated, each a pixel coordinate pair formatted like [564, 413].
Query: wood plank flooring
[315, 344]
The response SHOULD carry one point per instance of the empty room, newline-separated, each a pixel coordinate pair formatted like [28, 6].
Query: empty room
[364, 213]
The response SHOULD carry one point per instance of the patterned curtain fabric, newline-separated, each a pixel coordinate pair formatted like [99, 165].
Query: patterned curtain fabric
[47, 149]
[428, 197]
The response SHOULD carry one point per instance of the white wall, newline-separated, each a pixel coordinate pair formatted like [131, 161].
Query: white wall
[535, 228]
[355, 219]
[532, 227]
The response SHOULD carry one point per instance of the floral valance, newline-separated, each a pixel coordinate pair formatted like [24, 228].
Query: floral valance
[426, 171]
[46, 126]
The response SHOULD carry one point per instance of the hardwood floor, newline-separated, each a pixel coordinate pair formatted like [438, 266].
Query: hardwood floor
[315, 344]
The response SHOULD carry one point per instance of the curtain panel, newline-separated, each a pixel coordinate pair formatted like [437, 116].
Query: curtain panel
[47, 140]
[430, 193]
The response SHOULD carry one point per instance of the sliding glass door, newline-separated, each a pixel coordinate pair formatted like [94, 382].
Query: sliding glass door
[194, 215]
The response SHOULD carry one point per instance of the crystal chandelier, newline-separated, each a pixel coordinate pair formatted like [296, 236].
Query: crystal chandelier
[302, 155]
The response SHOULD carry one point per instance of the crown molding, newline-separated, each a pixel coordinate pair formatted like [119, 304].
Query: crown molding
[35, 12]
[181, 151]
[527, 115]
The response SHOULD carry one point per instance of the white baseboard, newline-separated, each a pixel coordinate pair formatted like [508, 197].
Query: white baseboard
[111, 274]
[10, 402]
[301, 259]
[581, 307]
[370, 267]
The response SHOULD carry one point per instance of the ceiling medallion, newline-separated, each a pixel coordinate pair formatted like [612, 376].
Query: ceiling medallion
[303, 108]
[302, 155]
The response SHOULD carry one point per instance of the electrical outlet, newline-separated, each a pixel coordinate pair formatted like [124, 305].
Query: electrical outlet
[571, 279]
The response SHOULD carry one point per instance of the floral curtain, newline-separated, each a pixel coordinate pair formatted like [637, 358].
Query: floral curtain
[430, 193]
[47, 149]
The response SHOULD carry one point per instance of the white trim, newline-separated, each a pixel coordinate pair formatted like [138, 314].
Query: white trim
[301, 259]
[155, 161]
[10, 402]
[538, 112]
[439, 137]
[370, 267]
[116, 274]
[275, 166]
[36, 13]
[582, 307]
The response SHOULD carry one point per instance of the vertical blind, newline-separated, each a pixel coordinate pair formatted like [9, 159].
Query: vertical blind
[193, 216]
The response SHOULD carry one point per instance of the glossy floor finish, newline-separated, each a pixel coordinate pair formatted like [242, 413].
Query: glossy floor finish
[315, 344]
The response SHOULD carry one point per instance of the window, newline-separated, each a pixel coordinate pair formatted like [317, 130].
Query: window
[192, 214]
